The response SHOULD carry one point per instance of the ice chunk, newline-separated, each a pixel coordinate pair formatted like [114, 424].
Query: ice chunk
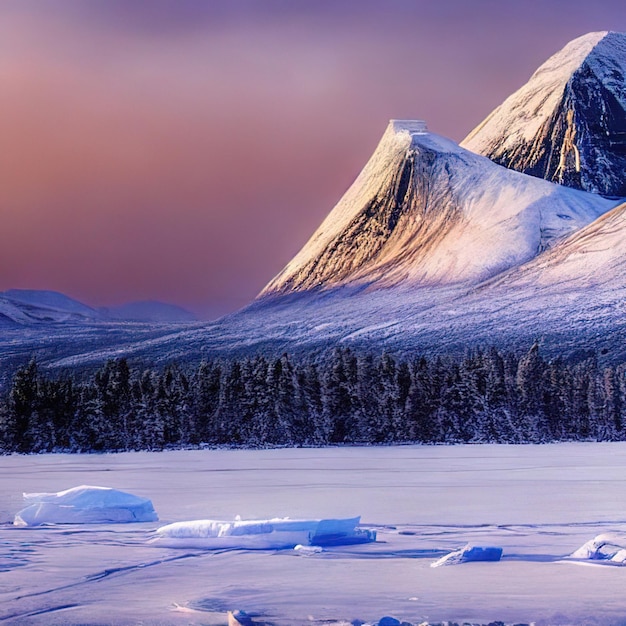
[306, 550]
[339, 532]
[273, 533]
[469, 554]
[389, 621]
[84, 505]
[239, 618]
[609, 547]
[236, 534]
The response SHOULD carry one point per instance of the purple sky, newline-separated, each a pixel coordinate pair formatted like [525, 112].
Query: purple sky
[184, 150]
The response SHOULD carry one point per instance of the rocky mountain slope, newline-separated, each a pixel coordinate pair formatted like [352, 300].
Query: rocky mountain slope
[567, 124]
[424, 211]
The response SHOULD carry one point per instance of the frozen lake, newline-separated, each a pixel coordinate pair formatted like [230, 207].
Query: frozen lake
[539, 503]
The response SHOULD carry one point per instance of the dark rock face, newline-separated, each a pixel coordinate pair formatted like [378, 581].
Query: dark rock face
[600, 124]
[413, 198]
[582, 144]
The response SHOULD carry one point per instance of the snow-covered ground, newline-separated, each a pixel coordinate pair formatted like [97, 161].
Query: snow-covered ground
[539, 503]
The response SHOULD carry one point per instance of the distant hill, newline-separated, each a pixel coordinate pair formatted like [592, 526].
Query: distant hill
[31, 306]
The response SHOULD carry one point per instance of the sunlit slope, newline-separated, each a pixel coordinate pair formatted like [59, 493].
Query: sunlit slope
[425, 212]
[591, 260]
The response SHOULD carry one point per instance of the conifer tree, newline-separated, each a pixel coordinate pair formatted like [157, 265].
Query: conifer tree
[23, 407]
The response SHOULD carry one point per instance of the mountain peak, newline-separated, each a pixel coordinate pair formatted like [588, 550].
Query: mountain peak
[47, 299]
[567, 124]
[425, 211]
[413, 127]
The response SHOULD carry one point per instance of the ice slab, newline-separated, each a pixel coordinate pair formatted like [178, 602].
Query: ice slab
[276, 533]
[610, 547]
[85, 504]
[239, 618]
[308, 550]
[469, 554]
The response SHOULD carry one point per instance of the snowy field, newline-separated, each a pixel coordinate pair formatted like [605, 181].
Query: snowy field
[539, 503]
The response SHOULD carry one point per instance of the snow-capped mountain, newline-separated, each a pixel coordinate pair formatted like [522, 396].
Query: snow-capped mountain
[424, 211]
[49, 299]
[567, 124]
[31, 306]
[434, 248]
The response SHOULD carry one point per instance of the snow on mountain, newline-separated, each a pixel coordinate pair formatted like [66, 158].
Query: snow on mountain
[567, 124]
[48, 299]
[424, 211]
[11, 312]
[591, 262]
[31, 305]
[28, 306]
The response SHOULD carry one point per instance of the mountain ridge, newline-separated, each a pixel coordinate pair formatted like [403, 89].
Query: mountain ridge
[33, 306]
[425, 211]
[567, 124]
[434, 249]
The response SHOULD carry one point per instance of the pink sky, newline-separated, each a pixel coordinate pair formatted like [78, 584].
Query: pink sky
[185, 150]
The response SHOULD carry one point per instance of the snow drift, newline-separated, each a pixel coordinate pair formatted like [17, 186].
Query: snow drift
[84, 505]
[274, 533]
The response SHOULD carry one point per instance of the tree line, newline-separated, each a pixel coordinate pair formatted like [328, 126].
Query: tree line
[346, 397]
